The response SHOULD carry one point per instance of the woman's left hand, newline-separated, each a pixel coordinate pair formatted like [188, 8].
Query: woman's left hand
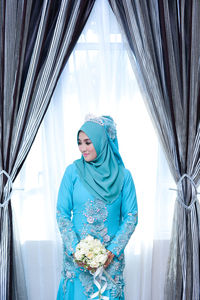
[109, 259]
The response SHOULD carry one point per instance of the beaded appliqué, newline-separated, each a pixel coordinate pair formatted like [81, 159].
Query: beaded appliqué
[122, 239]
[87, 282]
[66, 228]
[96, 214]
[115, 270]
[68, 271]
[68, 236]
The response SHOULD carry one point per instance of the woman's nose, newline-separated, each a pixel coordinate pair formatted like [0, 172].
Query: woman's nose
[83, 148]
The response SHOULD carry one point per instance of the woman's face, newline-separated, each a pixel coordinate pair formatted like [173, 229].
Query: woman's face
[86, 147]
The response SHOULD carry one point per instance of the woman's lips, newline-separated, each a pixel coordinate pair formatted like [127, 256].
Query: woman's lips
[85, 154]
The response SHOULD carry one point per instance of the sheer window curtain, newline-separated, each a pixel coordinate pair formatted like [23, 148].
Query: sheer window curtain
[163, 38]
[98, 79]
[37, 38]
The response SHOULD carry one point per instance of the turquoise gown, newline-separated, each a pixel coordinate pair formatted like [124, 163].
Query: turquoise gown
[80, 214]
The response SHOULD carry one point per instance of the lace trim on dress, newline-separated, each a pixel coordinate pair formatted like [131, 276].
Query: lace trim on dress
[66, 228]
[120, 241]
[96, 214]
[115, 270]
[68, 236]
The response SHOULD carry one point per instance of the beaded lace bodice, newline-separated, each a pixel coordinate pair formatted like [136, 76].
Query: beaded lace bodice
[112, 223]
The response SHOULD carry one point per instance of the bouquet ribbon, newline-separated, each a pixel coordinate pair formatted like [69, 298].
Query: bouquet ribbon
[101, 290]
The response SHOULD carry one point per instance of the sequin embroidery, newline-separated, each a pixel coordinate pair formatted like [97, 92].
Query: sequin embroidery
[96, 214]
[120, 240]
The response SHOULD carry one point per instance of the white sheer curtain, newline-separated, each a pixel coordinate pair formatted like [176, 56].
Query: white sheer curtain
[98, 79]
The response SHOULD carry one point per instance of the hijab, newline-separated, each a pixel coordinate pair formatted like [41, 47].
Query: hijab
[104, 176]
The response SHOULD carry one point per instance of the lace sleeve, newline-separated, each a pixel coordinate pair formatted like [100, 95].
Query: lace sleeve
[68, 234]
[64, 208]
[129, 213]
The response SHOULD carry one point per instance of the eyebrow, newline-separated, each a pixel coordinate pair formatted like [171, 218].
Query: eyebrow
[84, 140]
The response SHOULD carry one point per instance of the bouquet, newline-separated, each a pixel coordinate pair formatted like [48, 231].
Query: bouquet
[91, 253]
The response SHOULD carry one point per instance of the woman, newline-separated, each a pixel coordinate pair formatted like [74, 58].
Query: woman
[101, 194]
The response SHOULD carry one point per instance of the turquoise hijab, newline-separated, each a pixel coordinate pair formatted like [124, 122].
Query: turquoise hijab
[104, 176]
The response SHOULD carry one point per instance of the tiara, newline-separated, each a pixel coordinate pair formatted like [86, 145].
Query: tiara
[93, 118]
[105, 121]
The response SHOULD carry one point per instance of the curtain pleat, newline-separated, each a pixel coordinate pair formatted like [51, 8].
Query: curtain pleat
[163, 38]
[36, 40]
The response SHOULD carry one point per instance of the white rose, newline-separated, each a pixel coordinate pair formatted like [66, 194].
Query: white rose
[78, 255]
[90, 255]
[88, 239]
[101, 258]
[97, 243]
[96, 250]
[94, 264]
[86, 249]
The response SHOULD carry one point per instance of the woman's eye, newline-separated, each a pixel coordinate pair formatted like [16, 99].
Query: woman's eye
[88, 143]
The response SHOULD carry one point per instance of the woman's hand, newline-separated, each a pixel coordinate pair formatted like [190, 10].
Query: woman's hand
[81, 264]
[109, 259]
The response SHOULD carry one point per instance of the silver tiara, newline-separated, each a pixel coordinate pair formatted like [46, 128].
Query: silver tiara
[93, 118]
[105, 121]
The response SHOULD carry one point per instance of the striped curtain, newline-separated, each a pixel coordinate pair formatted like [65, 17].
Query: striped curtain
[163, 38]
[36, 40]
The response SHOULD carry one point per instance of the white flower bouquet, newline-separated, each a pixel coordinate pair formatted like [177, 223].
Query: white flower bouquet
[91, 253]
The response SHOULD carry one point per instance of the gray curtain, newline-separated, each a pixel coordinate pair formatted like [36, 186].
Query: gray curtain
[163, 38]
[36, 40]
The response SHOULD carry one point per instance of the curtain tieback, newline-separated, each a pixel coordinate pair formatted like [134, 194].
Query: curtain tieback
[8, 189]
[179, 190]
